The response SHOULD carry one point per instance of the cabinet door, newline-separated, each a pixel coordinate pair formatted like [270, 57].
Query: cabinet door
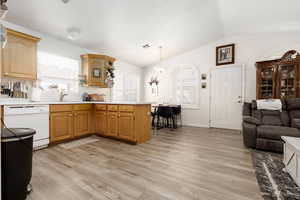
[287, 81]
[20, 57]
[266, 81]
[61, 126]
[126, 126]
[112, 123]
[97, 73]
[81, 123]
[101, 122]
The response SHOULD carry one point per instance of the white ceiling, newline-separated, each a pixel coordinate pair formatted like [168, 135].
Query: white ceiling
[120, 27]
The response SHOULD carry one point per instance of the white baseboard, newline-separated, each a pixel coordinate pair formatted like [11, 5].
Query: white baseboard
[197, 125]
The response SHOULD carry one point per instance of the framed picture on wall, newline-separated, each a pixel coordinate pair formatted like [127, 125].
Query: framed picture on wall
[225, 54]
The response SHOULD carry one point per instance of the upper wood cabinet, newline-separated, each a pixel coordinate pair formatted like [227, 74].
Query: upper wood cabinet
[279, 79]
[20, 56]
[94, 68]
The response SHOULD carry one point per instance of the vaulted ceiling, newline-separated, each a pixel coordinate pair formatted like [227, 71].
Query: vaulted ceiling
[120, 27]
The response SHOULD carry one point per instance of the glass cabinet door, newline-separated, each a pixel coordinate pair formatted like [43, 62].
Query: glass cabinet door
[267, 83]
[287, 81]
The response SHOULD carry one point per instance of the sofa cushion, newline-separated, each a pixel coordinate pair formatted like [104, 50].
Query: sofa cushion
[293, 104]
[285, 119]
[251, 120]
[247, 109]
[275, 132]
[294, 114]
[296, 123]
[269, 145]
[272, 120]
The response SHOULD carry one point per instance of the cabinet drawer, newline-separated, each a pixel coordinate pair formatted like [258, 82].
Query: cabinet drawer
[112, 107]
[100, 107]
[60, 108]
[126, 108]
[82, 107]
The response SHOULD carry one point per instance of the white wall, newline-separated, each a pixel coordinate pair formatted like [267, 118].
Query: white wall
[249, 49]
[62, 48]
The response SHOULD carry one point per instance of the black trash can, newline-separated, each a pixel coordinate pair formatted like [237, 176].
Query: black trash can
[16, 157]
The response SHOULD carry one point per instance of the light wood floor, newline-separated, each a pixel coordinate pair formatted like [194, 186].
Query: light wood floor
[189, 163]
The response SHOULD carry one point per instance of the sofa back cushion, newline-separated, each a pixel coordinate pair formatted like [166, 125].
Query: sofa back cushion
[271, 117]
[295, 118]
[293, 104]
[247, 109]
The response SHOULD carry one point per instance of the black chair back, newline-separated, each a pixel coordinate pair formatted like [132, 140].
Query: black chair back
[164, 111]
[177, 110]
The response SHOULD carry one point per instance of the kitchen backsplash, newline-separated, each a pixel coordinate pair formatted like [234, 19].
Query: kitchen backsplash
[23, 89]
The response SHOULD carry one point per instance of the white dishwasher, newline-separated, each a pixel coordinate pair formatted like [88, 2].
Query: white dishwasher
[30, 116]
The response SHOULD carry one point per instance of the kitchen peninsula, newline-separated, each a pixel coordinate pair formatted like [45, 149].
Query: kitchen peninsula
[71, 120]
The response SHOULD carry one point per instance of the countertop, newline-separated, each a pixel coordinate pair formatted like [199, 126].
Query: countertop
[11, 103]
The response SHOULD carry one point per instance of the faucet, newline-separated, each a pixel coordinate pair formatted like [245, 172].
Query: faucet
[62, 95]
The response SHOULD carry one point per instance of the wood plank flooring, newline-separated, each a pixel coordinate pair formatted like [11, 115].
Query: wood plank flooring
[186, 164]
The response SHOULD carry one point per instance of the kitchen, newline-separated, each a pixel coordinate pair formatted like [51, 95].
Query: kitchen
[75, 101]
[142, 100]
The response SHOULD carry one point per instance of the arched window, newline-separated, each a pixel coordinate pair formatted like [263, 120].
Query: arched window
[186, 86]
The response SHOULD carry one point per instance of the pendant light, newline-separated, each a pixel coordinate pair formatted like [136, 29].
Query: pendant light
[160, 69]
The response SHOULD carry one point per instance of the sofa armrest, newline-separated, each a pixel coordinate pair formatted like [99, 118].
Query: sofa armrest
[251, 120]
[249, 134]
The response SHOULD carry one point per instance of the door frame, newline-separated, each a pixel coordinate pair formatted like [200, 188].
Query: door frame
[243, 81]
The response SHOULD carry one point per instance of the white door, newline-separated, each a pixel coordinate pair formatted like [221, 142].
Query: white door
[226, 98]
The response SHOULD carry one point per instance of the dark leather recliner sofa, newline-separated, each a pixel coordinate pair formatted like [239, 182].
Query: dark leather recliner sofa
[262, 129]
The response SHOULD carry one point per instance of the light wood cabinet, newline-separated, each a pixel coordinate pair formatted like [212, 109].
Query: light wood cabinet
[101, 122]
[125, 122]
[112, 123]
[126, 126]
[20, 56]
[61, 126]
[94, 68]
[81, 123]
[77, 118]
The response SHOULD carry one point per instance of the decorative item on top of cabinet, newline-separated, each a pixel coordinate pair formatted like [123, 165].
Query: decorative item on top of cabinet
[96, 70]
[279, 78]
[20, 56]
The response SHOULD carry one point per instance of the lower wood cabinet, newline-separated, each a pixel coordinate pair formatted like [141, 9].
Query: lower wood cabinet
[126, 126]
[69, 121]
[126, 122]
[61, 126]
[101, 122]
[82, 123]
[112, 123]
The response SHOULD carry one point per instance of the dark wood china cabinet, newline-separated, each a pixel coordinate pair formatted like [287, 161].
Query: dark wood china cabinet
[279, 79]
